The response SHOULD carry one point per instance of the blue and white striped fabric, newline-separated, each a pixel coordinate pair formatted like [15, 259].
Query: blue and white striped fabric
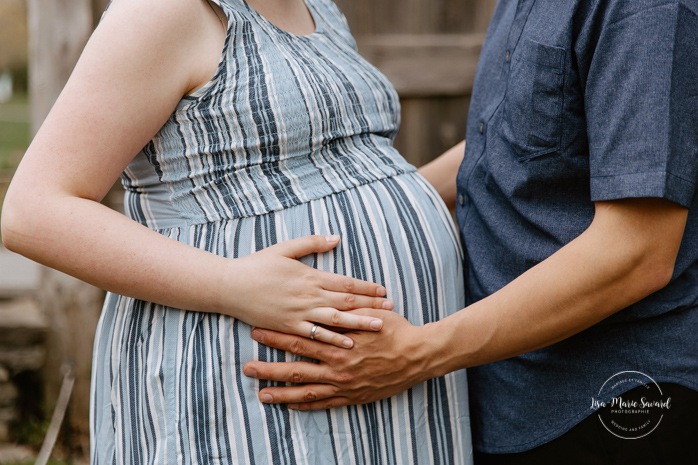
[292, 136]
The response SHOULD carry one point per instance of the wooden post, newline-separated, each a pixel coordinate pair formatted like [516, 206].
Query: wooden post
[58, 31]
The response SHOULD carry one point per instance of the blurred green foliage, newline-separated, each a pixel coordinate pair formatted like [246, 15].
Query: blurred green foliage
[15, 132]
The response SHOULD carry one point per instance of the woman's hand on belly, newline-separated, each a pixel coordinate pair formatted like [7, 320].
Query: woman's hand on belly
[272, 289]
[379, 365]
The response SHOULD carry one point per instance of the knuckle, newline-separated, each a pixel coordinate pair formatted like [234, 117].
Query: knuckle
[336, 318]
[296, 347]
[310, 396]
[296, 377]
[349, 285]
[340, 359]
[350, 299]
[343, 378]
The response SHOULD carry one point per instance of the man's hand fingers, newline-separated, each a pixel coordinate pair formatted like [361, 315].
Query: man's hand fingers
[290, 372]
[332, 402]
[309, 393]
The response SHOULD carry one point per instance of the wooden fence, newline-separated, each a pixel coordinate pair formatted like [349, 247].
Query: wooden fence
[429, 50]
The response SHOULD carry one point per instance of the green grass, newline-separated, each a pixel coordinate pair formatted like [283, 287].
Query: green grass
[30, 432]
[31, 462]
[15, 132]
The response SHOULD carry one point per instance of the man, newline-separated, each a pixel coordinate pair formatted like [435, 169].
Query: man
[577, 209]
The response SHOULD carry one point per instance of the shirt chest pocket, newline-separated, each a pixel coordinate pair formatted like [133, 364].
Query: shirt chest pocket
[532, 116]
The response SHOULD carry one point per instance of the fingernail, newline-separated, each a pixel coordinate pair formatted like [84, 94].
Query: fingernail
[250, 372]
[348, 343]
[257, 335]
[388, 305]
[292, 406]
[381, 291]
[376, 324]
[332, 238]
[267, 398]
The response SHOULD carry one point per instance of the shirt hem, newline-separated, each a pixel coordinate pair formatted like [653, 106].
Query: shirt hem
[658, 184]
[558, 432]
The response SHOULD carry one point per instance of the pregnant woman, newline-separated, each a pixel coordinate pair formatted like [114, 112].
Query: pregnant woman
[248, 134]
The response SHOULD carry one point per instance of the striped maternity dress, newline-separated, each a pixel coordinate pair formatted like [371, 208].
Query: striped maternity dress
[291, 137]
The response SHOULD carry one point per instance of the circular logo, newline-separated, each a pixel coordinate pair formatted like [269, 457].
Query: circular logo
[637, 412]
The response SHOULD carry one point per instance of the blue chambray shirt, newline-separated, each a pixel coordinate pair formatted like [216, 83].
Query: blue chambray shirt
[578, 101]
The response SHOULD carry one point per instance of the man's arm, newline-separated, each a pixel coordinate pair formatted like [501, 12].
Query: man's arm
[441, 173]
[627, 253]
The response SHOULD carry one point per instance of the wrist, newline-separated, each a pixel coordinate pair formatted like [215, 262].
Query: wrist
[433, 353]
[435, 349]
[455, 342]
[225, 293]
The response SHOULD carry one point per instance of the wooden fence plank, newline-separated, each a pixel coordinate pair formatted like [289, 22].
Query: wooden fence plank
[415, 16]
[429, 51]
[435, 65]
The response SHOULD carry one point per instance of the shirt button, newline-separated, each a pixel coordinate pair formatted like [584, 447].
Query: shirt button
[507, 56]
[482, 128]
[461, 199]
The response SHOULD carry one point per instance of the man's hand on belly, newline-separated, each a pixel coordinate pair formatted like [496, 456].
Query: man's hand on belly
[379, 365]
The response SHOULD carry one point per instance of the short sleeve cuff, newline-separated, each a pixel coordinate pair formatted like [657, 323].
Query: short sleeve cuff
[657, 185]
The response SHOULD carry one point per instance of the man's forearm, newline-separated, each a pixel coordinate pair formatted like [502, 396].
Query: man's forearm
[441, 173]
[626, 254]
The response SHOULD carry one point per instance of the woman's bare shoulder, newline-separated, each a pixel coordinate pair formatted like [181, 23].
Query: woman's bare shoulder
[185, 36]
[139, 62]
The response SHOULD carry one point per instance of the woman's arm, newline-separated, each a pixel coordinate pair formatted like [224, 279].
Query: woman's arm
[141, 60]
[627, 253]
[441, 173]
